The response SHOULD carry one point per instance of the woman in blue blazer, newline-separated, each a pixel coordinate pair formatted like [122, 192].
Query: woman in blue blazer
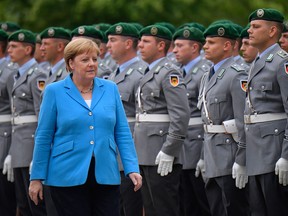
[81, 128]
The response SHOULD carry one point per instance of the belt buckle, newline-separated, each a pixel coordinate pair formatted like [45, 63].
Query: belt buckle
[247, 119]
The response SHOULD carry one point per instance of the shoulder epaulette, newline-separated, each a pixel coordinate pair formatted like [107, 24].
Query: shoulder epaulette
[282, 54]
[270, 57]
[237, 67]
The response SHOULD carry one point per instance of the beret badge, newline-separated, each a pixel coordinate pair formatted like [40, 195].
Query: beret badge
[221, 31]
[154, 30]
[260, 13]
[21, 36]
[186, 33]
[51, 32]
[81, 30]
[118, 29]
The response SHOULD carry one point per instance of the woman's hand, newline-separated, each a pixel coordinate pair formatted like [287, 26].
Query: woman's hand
[136, 178]
[36, 191]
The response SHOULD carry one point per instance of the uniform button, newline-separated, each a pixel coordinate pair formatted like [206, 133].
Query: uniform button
[23, 94]
[250, 88]
[216, 99]
[161, 132]
[263, 87]
[188, 94]
[227, 140]
[91, 127]
[152, 93]
[13, 131]
[14, 96]
[141, 94]
[5, 133]
[32, 135]
[90, 113]
[246, 128]
[120, 96]
[199, 136]
[276, 130]
[92, 142]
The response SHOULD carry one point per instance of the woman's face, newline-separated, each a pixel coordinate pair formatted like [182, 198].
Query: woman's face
[84, 66]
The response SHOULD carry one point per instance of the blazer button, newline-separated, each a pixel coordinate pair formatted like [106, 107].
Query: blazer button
[90, 113]
[91, 127]
[92, 142]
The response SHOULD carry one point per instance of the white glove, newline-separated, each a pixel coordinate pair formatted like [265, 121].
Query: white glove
[7, 168]
[30, 167]
[200, 167]
[281, 169]
[239, 173]
[165, 163]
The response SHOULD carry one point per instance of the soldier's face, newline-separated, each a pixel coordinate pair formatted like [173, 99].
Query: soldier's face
[284, 41]
[84, 66]
[18, 52]
[117, 46]
[49, 49]
[214, 49]
[249, 52]
[148, 48]
[259, 33]
[184, 51]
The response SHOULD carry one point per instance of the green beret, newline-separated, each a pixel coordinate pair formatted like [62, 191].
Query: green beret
[244, 33]
[193, 24]
[189, 34]
[156, 31]
[55, 32]
[9, 26]
[124, 29]
[221, 21]
[222, 30]
[88, 31]
[268, 14]
[102, 26]
[167, 25]
[3, 35]
[23, 35]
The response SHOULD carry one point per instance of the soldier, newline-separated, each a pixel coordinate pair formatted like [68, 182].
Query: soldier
[54, 40]
[28, 82]
[96, 35]
[222, 99]
[266, 116]
[122, 45]
[105, 56]
[39, 56]
[7, 191]
[188, 43]
[161, 124]
[284, 38]
[249, 52]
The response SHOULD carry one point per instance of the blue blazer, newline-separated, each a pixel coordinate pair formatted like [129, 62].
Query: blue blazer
[69, 133]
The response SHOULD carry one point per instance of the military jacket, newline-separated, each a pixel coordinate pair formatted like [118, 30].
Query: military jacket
[161, 91]
[267, 93]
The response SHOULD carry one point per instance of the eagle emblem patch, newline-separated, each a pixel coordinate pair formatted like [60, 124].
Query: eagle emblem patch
[243, 84]
[174, 80]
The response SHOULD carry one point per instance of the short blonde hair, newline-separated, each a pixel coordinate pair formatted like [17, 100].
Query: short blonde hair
[77, 47]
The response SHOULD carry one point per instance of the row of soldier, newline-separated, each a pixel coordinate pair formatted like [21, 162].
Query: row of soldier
[175, 88]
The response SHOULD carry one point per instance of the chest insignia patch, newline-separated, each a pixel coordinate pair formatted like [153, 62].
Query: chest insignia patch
[243, 84]
[41, 84]
[286, 67]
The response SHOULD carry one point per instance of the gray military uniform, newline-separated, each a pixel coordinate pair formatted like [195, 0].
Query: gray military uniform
[60, 74]
[103, 71]
[25, 101]
[159, 96]
[109, 62]
[5, 112]
[225, 100]
[267, 93]
[194, 139]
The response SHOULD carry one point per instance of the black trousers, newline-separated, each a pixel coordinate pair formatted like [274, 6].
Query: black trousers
[160, 193]
[50, 206]
[225, 199]
[193, 199]
[7, 196]
[89, 199]
[130, 201]
[24, 203]
[266, 196]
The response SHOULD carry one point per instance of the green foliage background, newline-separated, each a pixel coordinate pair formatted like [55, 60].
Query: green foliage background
[36, 15]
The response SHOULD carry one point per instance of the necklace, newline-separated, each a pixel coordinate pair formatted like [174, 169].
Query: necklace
[87, 91]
